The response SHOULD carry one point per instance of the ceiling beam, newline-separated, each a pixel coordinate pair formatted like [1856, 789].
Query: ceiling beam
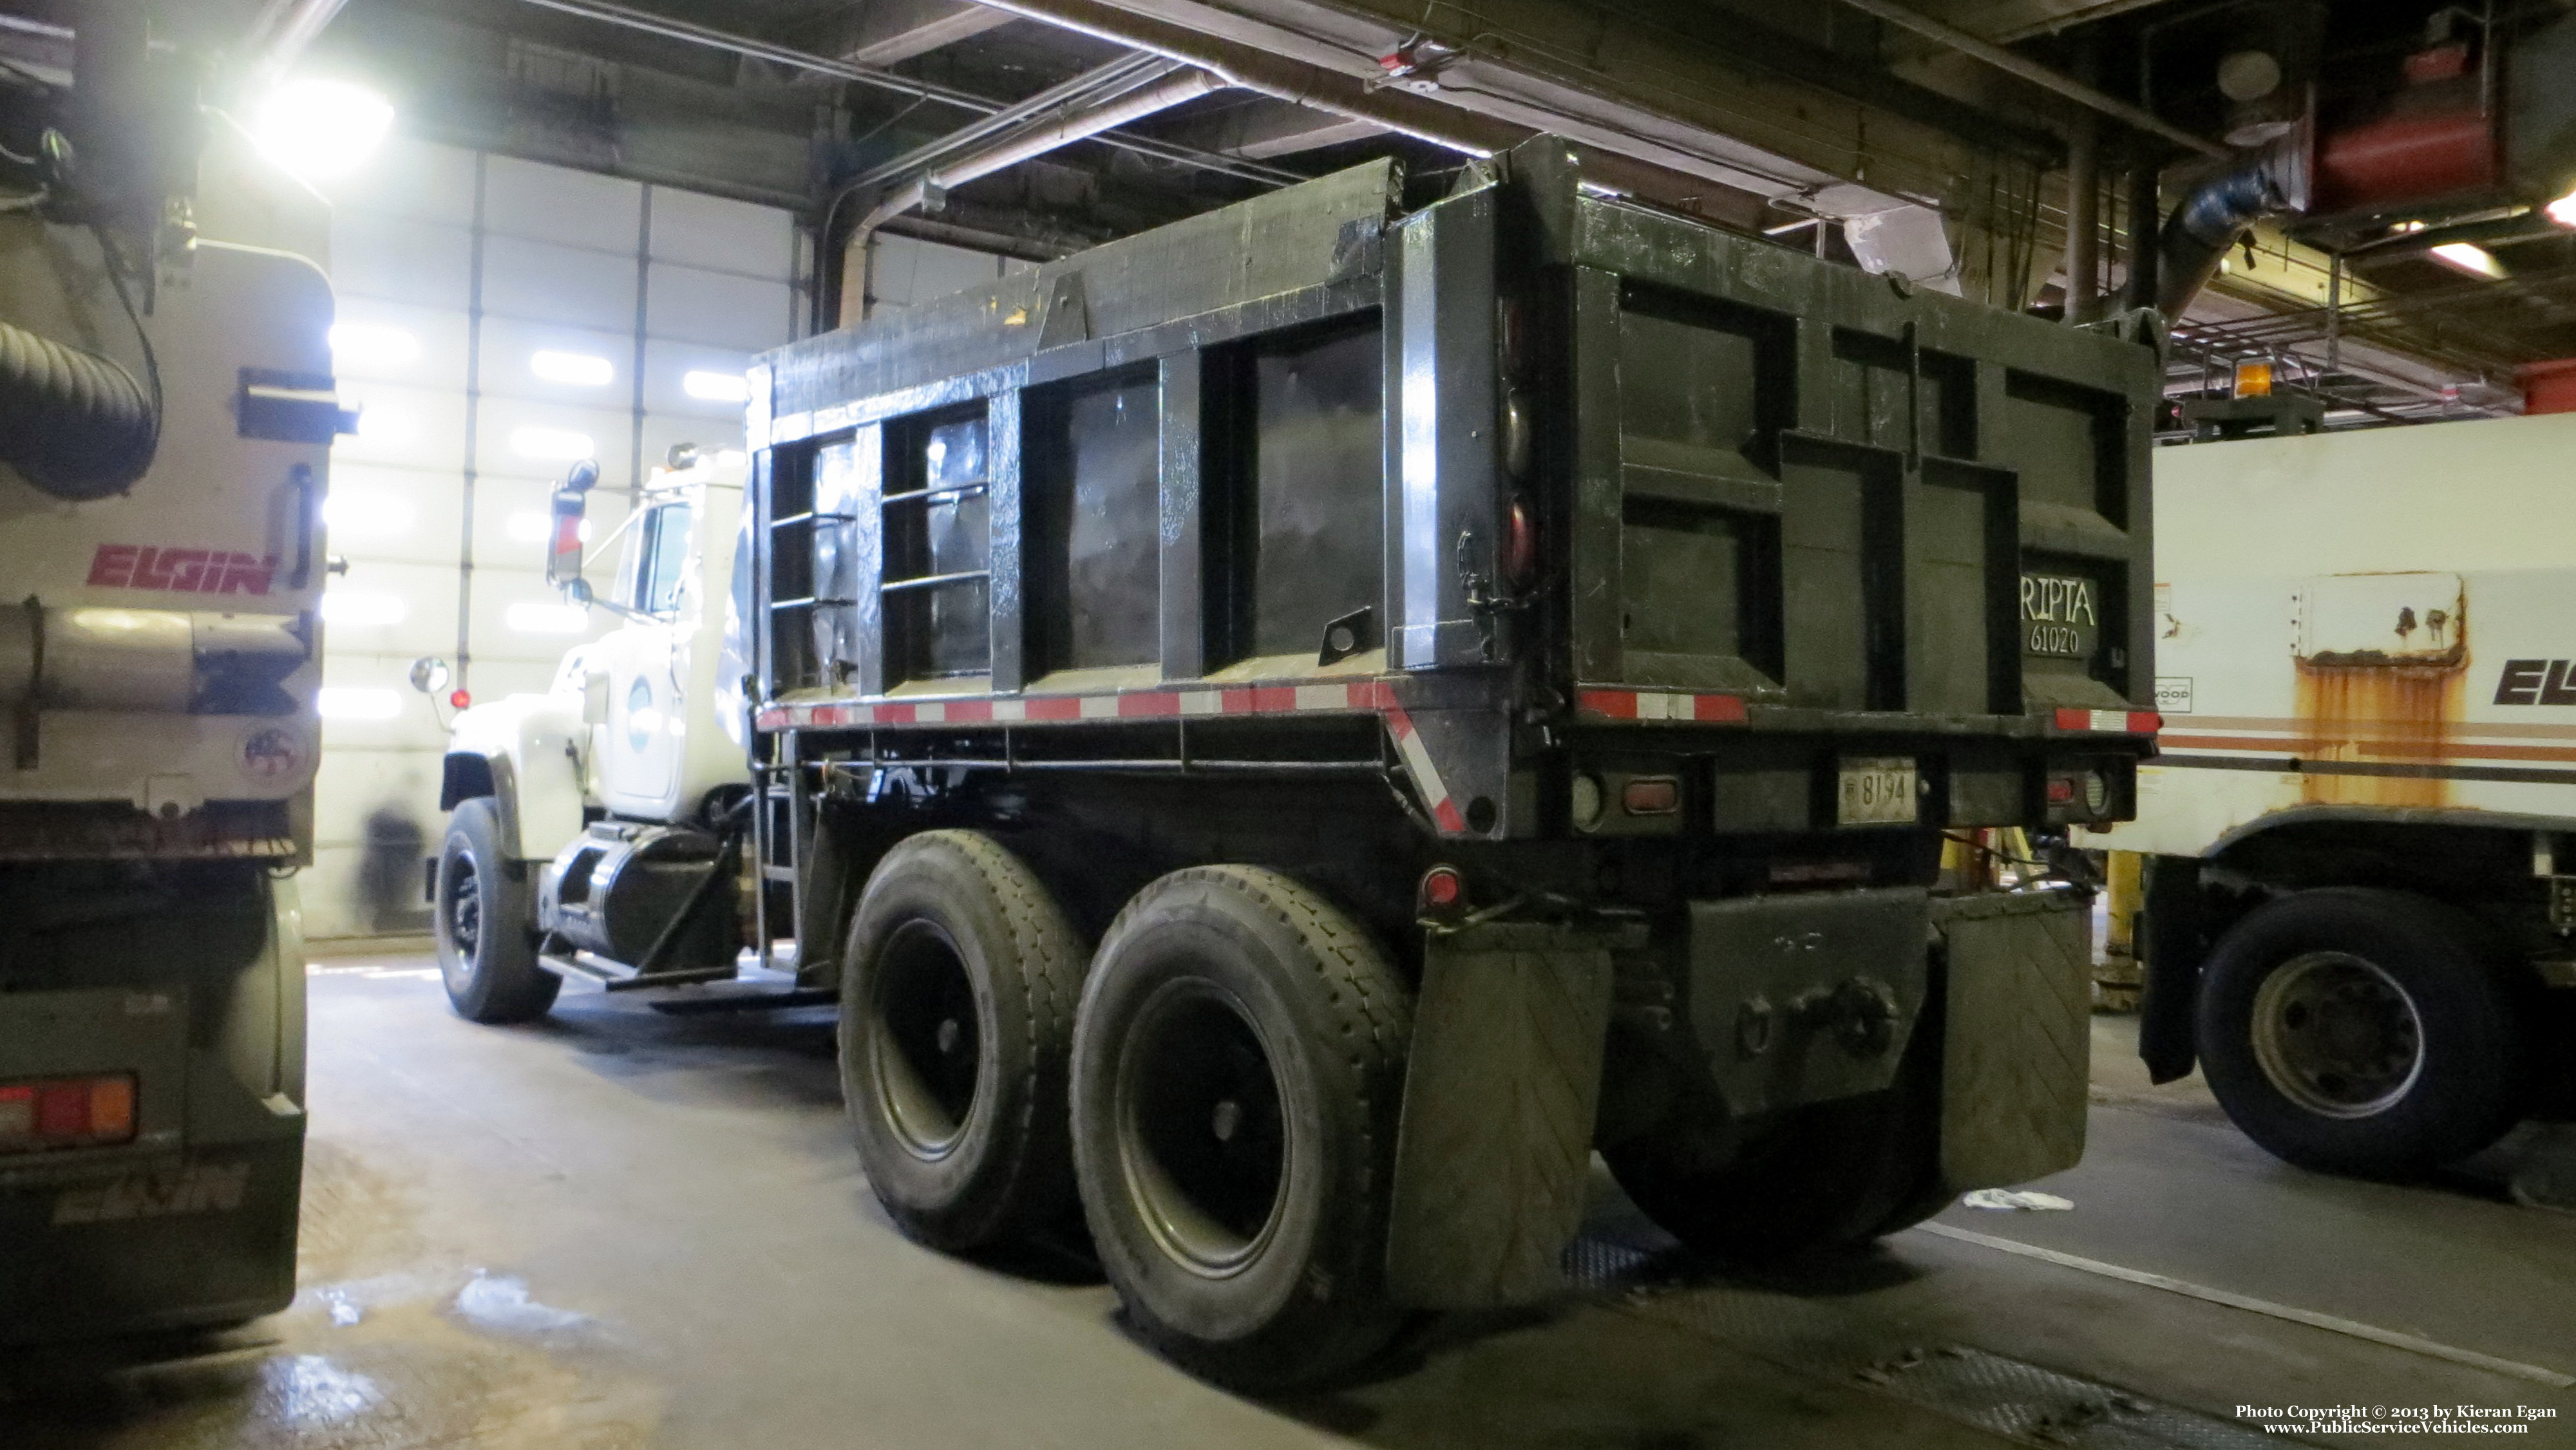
[1263, 128]
[897, 30]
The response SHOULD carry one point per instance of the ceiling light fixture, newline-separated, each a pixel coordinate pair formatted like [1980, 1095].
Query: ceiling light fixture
[319, 129]
[2471, 258]
[368, 344]
[579, 369]
[715, 387]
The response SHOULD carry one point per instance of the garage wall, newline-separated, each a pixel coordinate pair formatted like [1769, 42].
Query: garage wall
[455, 270]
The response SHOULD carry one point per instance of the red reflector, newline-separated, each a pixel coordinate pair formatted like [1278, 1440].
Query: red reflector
[2061, 790]
[62, 1110]
[459, 699]
[72, 1112]
[1654, 795]
[1442, 888]
[1520, 546]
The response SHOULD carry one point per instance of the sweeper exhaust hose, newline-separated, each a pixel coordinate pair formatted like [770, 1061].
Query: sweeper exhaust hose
[76, 424]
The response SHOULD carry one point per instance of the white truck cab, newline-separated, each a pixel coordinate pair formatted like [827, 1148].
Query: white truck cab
[585, 821]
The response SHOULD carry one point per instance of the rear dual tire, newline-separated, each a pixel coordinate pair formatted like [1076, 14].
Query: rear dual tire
[958, 987]
[1225, 1095]
[1238, 1070]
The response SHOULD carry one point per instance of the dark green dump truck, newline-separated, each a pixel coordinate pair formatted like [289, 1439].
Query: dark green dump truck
[1293, 730]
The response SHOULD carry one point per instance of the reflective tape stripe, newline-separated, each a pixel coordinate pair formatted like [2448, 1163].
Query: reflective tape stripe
[1660, 705]
[2115, 722]
[1426, 776]
[1160, 703]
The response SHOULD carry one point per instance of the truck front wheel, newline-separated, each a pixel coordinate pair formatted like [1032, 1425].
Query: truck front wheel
[2362, 1032]
[957, 997]
[487, 953]
[1238, 1068]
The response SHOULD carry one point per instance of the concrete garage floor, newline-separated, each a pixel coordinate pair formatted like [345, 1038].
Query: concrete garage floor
[616, 1228]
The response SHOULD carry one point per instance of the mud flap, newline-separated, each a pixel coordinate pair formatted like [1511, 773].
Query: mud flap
[1499, 1095]
[2017, 1041]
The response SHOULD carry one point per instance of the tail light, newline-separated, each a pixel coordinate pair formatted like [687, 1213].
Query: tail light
[67, 1112]
[1443, 891]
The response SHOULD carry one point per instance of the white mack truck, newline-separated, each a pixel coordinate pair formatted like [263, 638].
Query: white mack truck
[583, 821]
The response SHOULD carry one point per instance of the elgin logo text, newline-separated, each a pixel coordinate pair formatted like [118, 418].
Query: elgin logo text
[182, 571]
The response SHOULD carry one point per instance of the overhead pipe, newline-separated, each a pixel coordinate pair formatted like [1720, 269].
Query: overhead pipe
[627, 17]
[2083, 219]
[1278, 76]
[2023, 68]
[2272, 182]
[1031, 142]
[1092, 87]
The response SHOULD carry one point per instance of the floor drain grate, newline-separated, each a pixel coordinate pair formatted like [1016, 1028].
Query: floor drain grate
[1992, 1392]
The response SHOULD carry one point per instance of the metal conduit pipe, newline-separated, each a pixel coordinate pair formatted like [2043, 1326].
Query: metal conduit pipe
[2039, 75]
[76, 424]
[1278, 76]
[2271, 182]
[1035, 141]
[1093, 87]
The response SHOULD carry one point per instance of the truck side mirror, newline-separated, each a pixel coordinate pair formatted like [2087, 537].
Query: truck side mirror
[563, 556]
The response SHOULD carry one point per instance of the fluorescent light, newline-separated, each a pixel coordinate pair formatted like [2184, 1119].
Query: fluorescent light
[538, 618]
[2469, 257]
[358, 607]
[560, 444]
[2563, 210]
[342, 702]
[366, 511]
[370, 344]
[577, 368]
[715, 387]
[536, 526]
[321, 129]
[384, 427]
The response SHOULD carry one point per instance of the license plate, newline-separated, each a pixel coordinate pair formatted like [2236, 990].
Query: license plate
[1879, 791]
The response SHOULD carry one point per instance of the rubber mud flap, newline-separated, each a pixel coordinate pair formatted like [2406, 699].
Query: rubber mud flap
[1499, 1095]
[2017, 1041]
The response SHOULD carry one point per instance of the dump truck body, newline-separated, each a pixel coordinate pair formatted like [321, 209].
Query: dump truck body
[1291, 729]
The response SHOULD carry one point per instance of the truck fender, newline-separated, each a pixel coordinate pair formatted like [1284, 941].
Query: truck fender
[2172, 943]
[524, 753]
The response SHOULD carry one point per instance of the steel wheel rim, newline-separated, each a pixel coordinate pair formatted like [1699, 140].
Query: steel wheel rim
[2337, 1035]
[464, 911]
[1202, 1129]
[928, 1048]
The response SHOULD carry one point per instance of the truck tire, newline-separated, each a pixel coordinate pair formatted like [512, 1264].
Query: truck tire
[485, 920]
[1238, 1070]
[958, 987]
[2362, 1032]
[1823, 1178]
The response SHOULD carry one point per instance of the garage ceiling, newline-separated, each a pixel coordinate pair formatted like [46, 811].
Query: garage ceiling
[1754, 114]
